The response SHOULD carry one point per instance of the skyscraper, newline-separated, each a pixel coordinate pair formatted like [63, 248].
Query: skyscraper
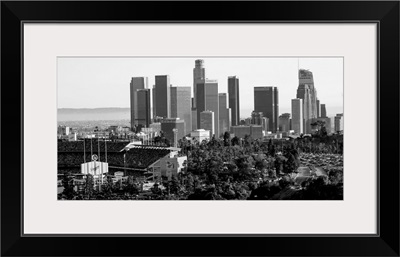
[224, 113]
[297, 116]
[265, 123]
[180, 106]
[323, 111]
[194, 119]
[233, 92]
[168, 125]
[257, 118]
[136, 83]
[194, 115]
[318, 109]
[329, 124]
[199, 76]
[142, 110]
[207, 121]
[266, 100]
[284, 122]
[154, 102]
[339, 122]
[207, 100]
[308, 93]
[162, 97]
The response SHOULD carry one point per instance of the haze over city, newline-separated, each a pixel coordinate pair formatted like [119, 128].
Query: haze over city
[89, 82]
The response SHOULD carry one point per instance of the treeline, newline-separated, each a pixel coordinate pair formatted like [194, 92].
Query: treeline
[234, 169]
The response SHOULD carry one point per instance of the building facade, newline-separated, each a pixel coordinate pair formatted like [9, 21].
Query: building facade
[323, 111]
[156, 127]
[194, 119]
[162, 96]
[284, 122]
[266, 100]
[224, 113]
[167, 167]
[308, 93]
[297, 116]
[199, 76]
[257, 118]
[180, 106]
[207, 100]
[207, 121]
[248, 121]
[265, 123]
[234, 103]
[329, 124]
[63, 130]
[200, 134]
[136, 84]
[339, 120]
[254, 131]
[142, 110]
[241, 131]
[168, 126]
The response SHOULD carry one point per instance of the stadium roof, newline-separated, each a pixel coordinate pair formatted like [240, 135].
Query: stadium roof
[131, 146]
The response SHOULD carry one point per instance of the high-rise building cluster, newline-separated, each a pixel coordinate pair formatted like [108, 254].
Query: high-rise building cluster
[174, 106]
[307, 108]
[180, 114]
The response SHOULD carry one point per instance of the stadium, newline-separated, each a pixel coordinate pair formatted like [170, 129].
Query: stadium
[133, 160]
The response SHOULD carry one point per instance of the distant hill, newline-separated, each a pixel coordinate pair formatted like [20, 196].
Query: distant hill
[82, 114]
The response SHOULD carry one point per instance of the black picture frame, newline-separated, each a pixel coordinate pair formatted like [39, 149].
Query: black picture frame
[383, 13]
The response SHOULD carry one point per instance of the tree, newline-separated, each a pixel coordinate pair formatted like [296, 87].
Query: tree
[89, 185]
[156, 189]
[157, 140]
[68, 184]
[321, 130]
[290, 165]
[131, 186]
[279, 161]
[272, 150]
[235, 141]
[109, 187]
[174, 185]
[247, 140]
[261, 163]
[226, 138]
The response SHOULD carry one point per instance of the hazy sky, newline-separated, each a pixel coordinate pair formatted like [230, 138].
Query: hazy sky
[104, 82]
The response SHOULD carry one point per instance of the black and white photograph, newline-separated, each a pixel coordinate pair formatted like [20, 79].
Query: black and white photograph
[149, 114]
[201, 128]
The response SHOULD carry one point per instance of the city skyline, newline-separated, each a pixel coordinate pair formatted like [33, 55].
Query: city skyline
[162, 156]
[91, 77]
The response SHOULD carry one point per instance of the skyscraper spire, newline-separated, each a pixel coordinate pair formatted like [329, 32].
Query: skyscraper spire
[308, 93]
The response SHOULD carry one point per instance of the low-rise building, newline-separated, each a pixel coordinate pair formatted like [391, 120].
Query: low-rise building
[254, 131]
[167, 167]
[200, 134]
[63, 130]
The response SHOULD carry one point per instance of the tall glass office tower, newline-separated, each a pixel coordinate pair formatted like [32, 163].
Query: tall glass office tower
[233, 93]
[266, 100]
[136, 84]
[308, 93]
